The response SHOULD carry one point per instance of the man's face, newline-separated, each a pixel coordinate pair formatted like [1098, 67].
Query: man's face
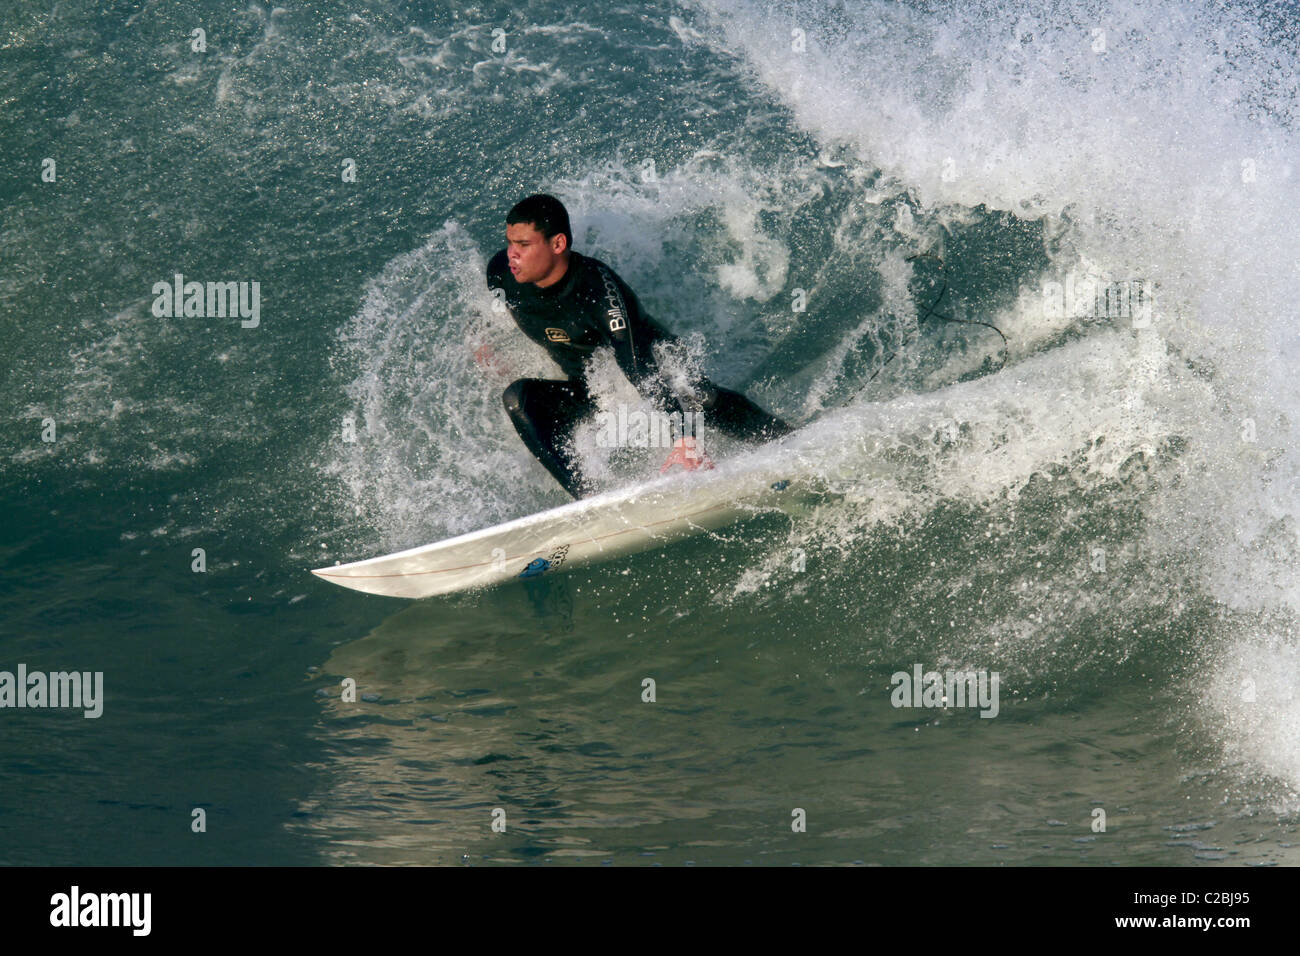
[531, 255]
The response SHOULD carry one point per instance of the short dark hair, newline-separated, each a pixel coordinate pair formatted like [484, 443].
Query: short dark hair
[545, 213]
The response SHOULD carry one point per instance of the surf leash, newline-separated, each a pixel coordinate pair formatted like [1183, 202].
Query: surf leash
[931, 312]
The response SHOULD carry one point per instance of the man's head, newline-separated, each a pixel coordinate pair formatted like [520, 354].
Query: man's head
[538, 240]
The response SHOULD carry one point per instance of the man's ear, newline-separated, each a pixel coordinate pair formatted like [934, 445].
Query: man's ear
[559, 243]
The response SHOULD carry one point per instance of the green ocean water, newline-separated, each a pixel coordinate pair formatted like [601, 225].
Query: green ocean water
[1102, 513]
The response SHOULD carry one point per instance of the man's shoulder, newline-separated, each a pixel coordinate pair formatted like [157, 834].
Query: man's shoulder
[592, 265]
[596, 274]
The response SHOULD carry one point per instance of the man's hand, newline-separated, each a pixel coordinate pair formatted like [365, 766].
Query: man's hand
[687, 454]
[487, 360]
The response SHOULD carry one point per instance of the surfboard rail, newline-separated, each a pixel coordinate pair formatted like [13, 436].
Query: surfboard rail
[581, 532]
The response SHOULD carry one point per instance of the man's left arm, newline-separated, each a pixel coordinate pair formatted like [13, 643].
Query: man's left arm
[632, 334]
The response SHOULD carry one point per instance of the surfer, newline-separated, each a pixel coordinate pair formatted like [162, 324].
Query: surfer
[572, 304]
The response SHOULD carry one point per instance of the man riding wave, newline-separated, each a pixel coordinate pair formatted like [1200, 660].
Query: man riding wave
[571, 304]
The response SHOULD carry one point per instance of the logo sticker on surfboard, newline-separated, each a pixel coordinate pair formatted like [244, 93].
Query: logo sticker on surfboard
[542, 565]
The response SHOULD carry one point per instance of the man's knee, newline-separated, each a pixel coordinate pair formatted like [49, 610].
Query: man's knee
[513, 397]
[706, 393]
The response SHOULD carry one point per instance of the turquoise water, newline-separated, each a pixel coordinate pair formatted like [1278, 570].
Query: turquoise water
[1103, 514]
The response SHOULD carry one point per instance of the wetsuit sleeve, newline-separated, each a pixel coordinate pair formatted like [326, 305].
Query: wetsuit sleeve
[632, 335]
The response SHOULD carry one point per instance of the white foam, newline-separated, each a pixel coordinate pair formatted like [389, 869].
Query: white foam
[1157, 140]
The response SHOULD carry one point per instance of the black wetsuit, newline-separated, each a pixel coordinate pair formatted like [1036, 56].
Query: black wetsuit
[590, 307]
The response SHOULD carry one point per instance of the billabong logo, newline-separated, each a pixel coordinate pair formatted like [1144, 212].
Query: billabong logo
[557, 335]
[617, 314]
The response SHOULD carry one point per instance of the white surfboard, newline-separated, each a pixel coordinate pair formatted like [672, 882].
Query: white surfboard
[582, 532]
